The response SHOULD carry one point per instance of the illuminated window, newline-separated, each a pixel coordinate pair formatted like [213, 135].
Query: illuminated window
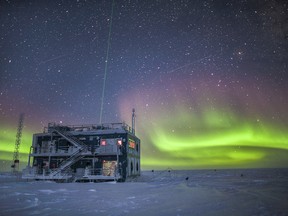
[119, 142]
[103, 142]
[131, 144]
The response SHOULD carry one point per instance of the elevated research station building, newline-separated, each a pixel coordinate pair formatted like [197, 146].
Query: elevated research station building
[79, 153]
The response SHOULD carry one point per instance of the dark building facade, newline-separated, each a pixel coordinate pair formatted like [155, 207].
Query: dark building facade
[84, 153]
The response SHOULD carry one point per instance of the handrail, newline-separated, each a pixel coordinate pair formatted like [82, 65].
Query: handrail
[89, 127]
[77, 155]
[71, 139]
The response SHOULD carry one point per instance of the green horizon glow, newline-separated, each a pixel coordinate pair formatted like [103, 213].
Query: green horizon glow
[231, 142]
[204, 139]
[209, 138]
[7, 143]
[239, 136]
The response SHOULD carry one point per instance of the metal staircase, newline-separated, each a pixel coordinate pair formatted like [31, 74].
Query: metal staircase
[67, 163]
[73, 140]
[77, 155]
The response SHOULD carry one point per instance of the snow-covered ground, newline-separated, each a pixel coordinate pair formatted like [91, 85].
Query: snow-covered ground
[169, 192]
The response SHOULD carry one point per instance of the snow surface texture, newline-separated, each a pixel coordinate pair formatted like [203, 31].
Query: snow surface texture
[169, 192]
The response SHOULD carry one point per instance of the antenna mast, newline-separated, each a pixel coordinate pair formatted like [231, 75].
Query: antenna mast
[133, 120]
[15, 164]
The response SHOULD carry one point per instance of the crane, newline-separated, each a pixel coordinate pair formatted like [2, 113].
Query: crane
[15, 165]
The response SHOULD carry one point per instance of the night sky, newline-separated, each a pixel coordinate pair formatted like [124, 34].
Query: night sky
[208, 79]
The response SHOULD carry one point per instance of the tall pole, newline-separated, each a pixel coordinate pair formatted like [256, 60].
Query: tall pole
[133, 120]
[16, 161]
[117, 165]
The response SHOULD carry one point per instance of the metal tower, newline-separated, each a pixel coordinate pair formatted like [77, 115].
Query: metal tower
[15, 164]
[133, 120]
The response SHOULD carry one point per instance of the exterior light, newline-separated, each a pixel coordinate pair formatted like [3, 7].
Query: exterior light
[119, 142]
[103, 142]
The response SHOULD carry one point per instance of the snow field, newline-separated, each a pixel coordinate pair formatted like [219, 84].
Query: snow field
[168, 192]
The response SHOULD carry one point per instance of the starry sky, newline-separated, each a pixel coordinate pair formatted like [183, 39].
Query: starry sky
[208, 79]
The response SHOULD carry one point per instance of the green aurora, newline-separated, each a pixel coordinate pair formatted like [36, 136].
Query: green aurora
[207, 138]
[241, 146]
[7, 146]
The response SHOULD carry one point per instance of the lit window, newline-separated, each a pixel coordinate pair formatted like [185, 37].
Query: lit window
[119, 142]
[131, 143]
[103, 142]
